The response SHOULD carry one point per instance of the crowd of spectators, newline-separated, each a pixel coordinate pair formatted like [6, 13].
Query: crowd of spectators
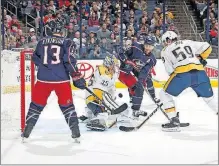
[200, 8]
[14, 36]
[101, 24]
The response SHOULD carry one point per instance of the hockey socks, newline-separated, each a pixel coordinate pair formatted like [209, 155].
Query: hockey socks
[32, 118]
[71, 119]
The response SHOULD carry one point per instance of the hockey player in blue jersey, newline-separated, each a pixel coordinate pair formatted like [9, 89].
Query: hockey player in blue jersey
[56, 63]
[149, 87]
[136, 58]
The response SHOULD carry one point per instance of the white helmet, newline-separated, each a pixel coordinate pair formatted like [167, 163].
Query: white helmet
[168, 35]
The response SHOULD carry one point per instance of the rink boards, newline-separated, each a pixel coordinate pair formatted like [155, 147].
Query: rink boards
[10, 73]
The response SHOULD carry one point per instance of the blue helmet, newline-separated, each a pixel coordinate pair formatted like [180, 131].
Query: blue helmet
[149, 40]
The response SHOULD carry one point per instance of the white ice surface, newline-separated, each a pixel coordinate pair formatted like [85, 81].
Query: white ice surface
[50, 142]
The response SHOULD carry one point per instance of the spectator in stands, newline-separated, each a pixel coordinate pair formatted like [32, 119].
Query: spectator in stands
[103, 32]
[7, 17]
[116, 30]
[140, 5]
[145, 18]
[77, 42]
[108, 23]
[71, 32]
[84, 13]
[72, 18]
[95, 9]
[52, 6]
[21, 42]
[93, 20]
[214, 34]
[48, 17]
[172, 27]
[91, 43]
[14, 22]
[31, 34]
[75, 8]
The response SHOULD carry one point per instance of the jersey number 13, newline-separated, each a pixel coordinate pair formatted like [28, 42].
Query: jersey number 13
[56, 52]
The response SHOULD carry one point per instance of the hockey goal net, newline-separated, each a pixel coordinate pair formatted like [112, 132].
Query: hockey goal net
[17, 76]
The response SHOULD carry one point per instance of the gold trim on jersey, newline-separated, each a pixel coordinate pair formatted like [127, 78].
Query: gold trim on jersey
[206, 53]
[168, 110]
[188, 67]
[98, 92]
[169, 80]
[104, 71]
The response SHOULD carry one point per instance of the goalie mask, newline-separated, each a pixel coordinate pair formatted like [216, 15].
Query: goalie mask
[111, 63]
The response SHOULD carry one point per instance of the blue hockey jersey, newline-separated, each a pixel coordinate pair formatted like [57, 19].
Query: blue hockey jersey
[54, 59]
[136, 54]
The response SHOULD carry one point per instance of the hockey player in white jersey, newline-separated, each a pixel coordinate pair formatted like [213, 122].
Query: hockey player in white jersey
[103, 86]
[184, 61]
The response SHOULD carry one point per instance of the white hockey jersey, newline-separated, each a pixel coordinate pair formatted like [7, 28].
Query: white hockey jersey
[181, 56]
[102, 81]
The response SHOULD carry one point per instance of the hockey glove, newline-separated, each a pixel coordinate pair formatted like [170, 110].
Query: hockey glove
[202, 61]
[132, 64]
[78, 80]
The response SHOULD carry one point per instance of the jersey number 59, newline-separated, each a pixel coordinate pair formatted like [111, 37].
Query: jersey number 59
[185, 53]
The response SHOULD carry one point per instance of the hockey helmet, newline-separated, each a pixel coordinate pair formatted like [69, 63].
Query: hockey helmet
[149, 44]
[53, 28]
[168, 37]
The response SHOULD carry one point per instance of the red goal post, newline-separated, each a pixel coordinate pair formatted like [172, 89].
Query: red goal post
[23, 56]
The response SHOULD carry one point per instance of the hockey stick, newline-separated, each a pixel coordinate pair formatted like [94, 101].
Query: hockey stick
[165, 114]
[127, 129]
[118, 110]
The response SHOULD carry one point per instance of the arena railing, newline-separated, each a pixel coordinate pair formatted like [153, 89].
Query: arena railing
[10, 5]
[191, 20]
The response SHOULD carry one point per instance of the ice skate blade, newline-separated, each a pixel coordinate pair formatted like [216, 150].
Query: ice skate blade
[175, 129]
[24, 140]
[77, 141]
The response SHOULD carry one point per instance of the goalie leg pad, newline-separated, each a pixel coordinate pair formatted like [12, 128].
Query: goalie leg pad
[98, 123]
[109, 101]
[95, 107]
[32, 118]
[71, 119]
[168, 103]
[211, 102]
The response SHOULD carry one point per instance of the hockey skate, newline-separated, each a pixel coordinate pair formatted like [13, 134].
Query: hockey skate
[75, 134]
[137, 113]
[27, 131]
[173, 126]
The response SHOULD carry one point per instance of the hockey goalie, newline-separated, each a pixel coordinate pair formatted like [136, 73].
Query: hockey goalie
[102, 84]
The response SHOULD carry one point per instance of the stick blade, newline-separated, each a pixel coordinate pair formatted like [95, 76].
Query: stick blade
[126, 129]
[120, 109]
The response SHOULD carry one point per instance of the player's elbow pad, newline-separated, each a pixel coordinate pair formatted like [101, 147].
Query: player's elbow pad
[206, 53]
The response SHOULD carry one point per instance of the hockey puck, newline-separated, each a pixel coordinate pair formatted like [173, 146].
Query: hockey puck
[120, 95]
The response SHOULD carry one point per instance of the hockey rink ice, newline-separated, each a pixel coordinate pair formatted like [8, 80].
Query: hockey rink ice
[51, 143]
